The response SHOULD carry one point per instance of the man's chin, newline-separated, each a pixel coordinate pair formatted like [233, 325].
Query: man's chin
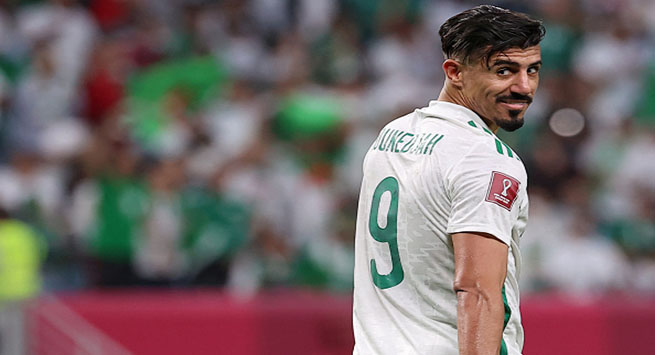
[513, 123]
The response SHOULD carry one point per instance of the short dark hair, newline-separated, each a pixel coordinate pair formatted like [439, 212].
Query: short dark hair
[485, 30]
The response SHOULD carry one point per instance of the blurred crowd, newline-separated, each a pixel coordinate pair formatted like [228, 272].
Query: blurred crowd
[186, 143]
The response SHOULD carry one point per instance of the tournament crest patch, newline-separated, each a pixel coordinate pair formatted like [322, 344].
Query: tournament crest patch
[502, 190]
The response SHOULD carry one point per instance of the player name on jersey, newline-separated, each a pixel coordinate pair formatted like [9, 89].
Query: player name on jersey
[399, 141]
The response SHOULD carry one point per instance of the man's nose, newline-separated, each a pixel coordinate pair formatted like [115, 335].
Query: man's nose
[521, 83]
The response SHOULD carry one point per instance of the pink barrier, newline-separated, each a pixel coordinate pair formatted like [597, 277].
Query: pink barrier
[299, 322]
[610, 325]
[212, 322]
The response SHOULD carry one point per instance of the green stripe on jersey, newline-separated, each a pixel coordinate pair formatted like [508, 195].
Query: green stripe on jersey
[500, 150]
[472, 124]
[508, 313]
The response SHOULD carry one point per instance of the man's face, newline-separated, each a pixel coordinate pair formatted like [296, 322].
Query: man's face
[501, 89]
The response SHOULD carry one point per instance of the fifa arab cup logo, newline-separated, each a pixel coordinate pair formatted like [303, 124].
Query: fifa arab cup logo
[506, 185]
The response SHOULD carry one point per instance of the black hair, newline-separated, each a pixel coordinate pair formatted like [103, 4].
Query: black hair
[485, 30]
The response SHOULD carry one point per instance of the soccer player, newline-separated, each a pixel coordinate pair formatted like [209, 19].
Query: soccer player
[443, 201]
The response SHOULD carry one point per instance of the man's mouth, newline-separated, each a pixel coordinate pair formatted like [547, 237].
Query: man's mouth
[514, 105]
[515, 102]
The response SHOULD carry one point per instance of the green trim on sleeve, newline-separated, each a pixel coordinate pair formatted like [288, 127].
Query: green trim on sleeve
[508, 314]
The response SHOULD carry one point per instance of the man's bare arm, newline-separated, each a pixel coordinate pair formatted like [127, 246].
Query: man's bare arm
[480, 270]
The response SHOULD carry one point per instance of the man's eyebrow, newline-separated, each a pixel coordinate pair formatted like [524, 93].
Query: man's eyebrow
[512, 63]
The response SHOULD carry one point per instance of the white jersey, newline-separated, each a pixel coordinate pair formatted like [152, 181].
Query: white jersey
[429, 174]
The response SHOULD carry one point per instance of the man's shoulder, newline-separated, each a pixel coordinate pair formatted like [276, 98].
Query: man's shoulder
[477, 148]
[490, 156]
[465, 144]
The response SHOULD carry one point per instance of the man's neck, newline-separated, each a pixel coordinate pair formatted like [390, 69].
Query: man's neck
[458, 99]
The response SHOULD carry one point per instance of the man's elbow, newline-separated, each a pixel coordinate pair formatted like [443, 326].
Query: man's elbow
[470, 290]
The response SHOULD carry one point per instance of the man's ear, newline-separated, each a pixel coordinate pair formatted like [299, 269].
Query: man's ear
[453, 71]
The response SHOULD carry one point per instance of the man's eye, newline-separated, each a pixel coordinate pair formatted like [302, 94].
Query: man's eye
[533, 70]
[503, 71]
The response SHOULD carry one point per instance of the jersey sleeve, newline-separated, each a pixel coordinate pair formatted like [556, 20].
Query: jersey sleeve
[483, 188]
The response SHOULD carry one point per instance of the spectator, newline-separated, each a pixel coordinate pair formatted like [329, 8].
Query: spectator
[90, 90]
[21, 255]
[583, 262]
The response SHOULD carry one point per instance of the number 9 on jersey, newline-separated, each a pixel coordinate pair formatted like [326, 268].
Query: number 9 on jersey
[388, 234]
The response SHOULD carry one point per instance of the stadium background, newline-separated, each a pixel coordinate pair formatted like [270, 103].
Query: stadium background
[175, 170]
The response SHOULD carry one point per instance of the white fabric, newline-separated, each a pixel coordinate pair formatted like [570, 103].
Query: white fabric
[441, 190]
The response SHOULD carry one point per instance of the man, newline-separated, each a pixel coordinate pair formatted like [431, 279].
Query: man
[21, 253]
[443, 202]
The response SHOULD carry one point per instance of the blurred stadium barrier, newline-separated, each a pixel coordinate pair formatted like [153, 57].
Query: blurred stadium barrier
[55, 329]
[208, 322]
